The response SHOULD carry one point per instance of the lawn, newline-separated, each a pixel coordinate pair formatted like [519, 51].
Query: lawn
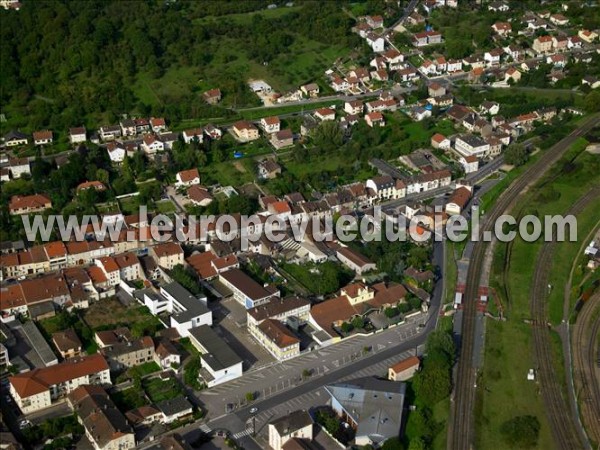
[505, 391]
[129, 399]
[159, 390]
[165, 207]
[110, 313]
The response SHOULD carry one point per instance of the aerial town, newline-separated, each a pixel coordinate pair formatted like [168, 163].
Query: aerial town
[411, 115]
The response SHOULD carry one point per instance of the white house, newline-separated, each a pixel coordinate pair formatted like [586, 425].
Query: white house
[471, 145]
[220, 362]
[187, 177]
[296, 425]
[77, 135]
[184, 310]
[195, 133]
[377, 43]
[152, 145]
[270, 124]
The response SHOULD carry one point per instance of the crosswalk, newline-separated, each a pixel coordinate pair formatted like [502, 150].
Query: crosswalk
[205, 428]
[241, 434]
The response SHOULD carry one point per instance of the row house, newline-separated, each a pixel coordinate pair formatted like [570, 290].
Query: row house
[428, 181]
[427, 38]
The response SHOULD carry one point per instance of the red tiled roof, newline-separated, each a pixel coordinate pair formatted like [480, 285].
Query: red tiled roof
[29, 201]
[278, 333]
[188, 175]
[407, 363]
[40, 380]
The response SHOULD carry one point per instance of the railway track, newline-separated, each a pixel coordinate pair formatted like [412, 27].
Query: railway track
[461, 429]
[557, 407]
[585, 364]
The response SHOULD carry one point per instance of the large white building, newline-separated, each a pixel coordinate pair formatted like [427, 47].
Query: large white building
[219, 362]
[184, 310]
[471, 145]
[38, 388]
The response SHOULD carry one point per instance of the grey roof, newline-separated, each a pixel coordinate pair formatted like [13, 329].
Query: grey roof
[38, 343]
[193, 306]
[174, 406]
[472, 140]
[375, 405]
[13, 134]
[219, 355]
[292, 422]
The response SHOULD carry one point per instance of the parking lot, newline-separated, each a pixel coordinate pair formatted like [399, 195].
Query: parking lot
[231, 317]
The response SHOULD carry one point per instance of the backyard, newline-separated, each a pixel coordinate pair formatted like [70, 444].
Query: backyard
[109, 313]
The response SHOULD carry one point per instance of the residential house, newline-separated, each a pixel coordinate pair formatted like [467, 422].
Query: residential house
[454, 65]
[194, 134]
[282, 139]
[105, 426]
[435, 89]
[441, 64]
[39, 388]
[560, 43]
[268, 169]
[559, 19]
[19, 167]
[109, 132]
[440, 141]
[375, 119]
[394, 59]
[498, 7]
[128, 127]
[167, 254]
[354, 107]
[15, 138]
[213, 132]
[28, 204]
[514, 52]
[212, 96]
[405, 369]
[512, 75]
[129, 354]
[174, 409]
[187, 177]
[574, 42]
[419, 113]
[199, 195]
[220, 363]
[296, 425]
[374, 21]
[151, 145]
[67, 343]
[470, 163]
[166, 355]
[339, 84]
[491, 108]
[325, 114]
[492, 57]
[542, 44]
[502, 28]
[376, 42]
[407, 74]
[557, 60]
[591, 81]
[43, 137]
[270, 124]
[587, 35]
[427, 38]
[310, 90]
[77, 135]
[245, 131]
[158, 124]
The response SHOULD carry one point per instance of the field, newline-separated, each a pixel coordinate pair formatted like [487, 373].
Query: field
[110, 313]
[505, 391]
[159, 390]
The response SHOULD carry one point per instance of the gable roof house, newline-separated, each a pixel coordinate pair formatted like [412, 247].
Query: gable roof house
[270, 124]
[282, 139]
[105, 426]
[15, 138]
[158, 124]
[245, 290]
[296, 425]
[212, 96]
[187, 177]
[245, 131]
[67, 343]
[77, 135]
[151, 145]
[268, 169]
[193, 134]
[43, 137]
[28, 204]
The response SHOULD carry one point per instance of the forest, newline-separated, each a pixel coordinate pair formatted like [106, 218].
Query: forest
[68, 63]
